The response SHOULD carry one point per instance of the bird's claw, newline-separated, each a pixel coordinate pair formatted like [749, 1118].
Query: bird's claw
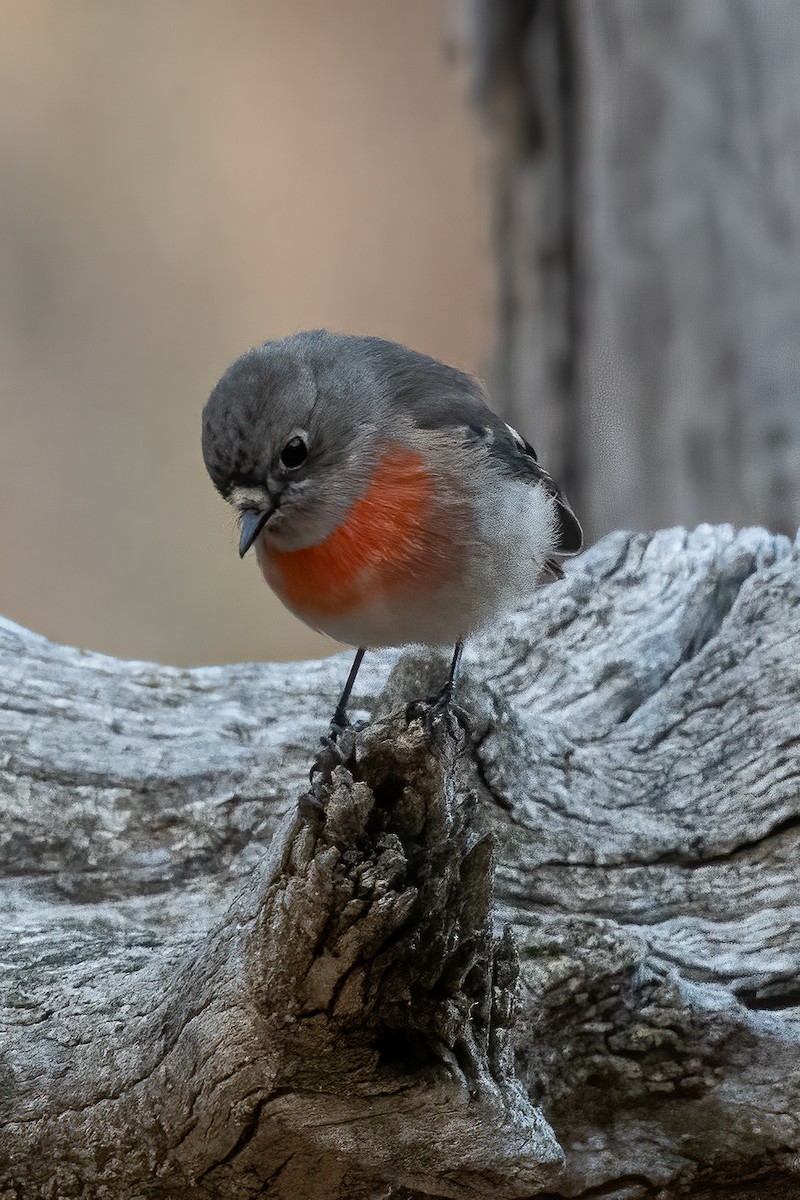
[436, 711]
[337, 746]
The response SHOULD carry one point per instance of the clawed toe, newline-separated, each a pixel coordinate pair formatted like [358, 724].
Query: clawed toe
[333, 752]
[336, 732]
[440, 710]
[336, 747]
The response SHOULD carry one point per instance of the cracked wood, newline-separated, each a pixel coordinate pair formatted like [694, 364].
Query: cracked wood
[206, 992]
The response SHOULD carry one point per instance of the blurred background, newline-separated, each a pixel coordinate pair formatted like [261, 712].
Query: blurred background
[179, 182]
[594, 207]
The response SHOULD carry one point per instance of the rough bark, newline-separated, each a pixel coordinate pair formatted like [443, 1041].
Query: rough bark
[645, 177]
[220, 980]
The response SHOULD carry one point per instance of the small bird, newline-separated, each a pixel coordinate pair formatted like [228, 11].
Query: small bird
[386, 502]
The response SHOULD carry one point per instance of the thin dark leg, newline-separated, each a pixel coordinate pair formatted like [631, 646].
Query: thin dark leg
[431, 711]
[449, 687]
[340, 716]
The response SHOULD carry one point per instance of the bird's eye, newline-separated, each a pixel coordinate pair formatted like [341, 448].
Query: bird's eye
[294, 453]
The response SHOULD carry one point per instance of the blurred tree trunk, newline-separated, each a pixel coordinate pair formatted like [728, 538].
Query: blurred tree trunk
[645, 175]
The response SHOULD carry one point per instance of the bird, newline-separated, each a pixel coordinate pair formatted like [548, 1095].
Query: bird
[385, 501]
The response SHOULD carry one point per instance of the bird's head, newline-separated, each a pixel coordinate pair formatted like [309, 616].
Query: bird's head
[288, 442]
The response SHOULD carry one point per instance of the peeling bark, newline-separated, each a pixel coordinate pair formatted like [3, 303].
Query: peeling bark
[553, 953]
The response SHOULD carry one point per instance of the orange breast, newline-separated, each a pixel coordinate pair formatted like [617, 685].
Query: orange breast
[383, 544]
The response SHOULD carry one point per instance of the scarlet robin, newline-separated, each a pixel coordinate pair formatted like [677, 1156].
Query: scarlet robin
[387, 504]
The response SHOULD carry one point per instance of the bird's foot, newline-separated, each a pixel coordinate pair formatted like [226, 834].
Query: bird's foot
[438, 713]
[337, 746]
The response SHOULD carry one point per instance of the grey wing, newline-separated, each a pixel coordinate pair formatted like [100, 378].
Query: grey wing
[438, 396]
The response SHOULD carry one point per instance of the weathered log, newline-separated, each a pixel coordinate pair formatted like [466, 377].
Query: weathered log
[210, 989]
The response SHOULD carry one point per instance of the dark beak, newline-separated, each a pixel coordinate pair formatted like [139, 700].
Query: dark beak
[251, 523]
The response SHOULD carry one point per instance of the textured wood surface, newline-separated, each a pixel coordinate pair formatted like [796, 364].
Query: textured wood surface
[210, 992]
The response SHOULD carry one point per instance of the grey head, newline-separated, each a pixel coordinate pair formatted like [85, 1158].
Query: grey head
[290, 437]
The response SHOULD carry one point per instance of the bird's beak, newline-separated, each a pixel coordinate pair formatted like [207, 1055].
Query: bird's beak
[251, 523]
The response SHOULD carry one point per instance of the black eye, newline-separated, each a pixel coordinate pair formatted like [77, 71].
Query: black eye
[294, 453]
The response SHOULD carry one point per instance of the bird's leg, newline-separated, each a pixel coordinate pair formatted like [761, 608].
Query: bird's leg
[336, 748]
[446, 694]
[441, 705]
[339, 720]
[443, 700]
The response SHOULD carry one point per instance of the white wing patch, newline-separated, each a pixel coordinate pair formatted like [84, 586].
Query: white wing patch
[517, 438]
